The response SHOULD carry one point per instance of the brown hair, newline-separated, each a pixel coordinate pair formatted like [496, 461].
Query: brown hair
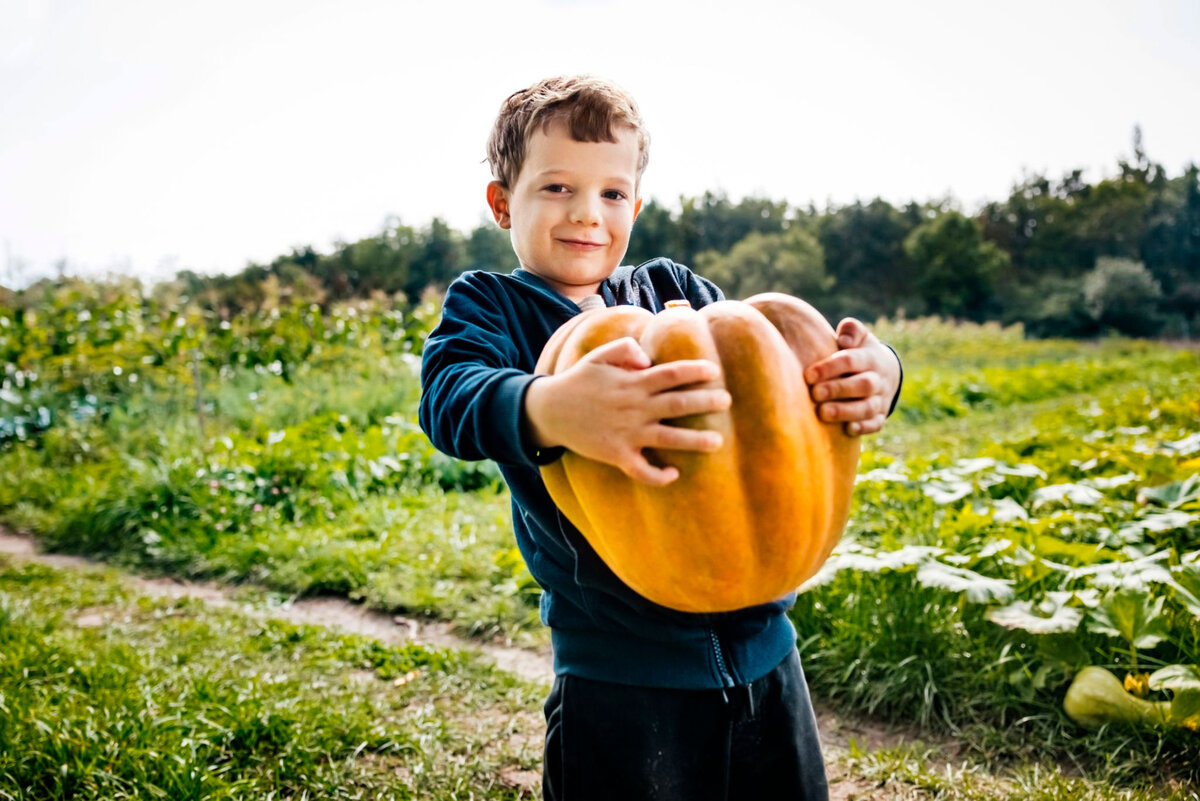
[589, 106]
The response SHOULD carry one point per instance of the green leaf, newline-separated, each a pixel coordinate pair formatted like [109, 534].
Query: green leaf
[1187, 586]
[1157, 523]
[1185, 704]
[1084, 552]
[1132, 616]
[1184, 683]
[943, 492]
[1043, 618]
[1136, 575]
[1172, 495]
[1176, 677]
[1068, 494]
[979, 589]
[1064, 649]
[866, 561]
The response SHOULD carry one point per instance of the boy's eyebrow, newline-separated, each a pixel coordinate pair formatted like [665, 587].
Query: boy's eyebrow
[553, 171]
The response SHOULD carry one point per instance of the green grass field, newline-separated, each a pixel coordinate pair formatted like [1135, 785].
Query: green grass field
[1032, 508]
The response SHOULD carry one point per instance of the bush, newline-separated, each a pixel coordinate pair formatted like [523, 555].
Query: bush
[1122, 294]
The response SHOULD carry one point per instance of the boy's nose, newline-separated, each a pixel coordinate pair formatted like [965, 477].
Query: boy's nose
[585, 211]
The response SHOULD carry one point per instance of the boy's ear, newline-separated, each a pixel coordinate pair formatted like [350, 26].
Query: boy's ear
[497, 198]
[637, 208]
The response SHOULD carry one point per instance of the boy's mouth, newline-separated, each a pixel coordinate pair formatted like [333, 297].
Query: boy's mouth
[581, 244]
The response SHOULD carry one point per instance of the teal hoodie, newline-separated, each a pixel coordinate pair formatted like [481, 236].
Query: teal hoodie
[477, 365]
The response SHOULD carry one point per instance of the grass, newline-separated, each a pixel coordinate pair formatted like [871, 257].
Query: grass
[916, 771]
[319, 483]
[107, 695]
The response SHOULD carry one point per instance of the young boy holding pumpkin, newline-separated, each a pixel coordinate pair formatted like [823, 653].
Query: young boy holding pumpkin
[647, 702]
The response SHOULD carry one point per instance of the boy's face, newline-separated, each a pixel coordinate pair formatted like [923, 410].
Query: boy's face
[572, 207]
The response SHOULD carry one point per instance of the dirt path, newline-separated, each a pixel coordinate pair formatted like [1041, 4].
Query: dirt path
[837, 732]
[335, 613]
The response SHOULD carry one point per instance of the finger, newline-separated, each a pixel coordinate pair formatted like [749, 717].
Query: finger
[863, 427]
[859, 385]
[839, 364]
[854, 411]
[675, 438]
[623, 352]
[681, 403]
[671, 375]
[639, 469]
[851, 333]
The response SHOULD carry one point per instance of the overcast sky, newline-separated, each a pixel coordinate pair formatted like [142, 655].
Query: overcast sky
[148, 137]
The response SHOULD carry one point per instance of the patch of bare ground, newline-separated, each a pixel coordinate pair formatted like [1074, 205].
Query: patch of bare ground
[842, 736]
[334, 613]
[838, 732]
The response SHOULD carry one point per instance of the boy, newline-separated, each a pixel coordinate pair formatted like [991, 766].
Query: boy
[647, 702]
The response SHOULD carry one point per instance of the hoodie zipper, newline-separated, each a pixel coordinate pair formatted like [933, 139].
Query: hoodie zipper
[722, 671]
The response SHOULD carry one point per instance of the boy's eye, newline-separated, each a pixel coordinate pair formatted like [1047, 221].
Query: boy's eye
[614, 194]
[556, 188]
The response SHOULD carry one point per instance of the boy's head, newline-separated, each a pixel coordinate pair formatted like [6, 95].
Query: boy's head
[592, 109]
[567, 155]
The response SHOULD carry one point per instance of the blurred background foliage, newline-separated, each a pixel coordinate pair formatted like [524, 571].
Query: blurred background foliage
[1062, 257]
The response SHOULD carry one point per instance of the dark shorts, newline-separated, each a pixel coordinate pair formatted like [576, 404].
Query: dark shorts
[616, 742]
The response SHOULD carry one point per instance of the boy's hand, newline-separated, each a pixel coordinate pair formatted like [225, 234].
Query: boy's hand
[611, 404]
[855, 385]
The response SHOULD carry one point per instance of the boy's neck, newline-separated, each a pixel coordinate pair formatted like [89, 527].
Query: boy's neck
[571, 293]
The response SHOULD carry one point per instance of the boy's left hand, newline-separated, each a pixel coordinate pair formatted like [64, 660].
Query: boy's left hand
[856, 385]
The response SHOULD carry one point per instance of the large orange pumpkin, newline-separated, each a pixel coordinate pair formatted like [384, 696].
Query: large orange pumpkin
[743, 525]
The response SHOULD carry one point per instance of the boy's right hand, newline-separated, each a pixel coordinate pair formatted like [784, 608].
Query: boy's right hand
[610, 405]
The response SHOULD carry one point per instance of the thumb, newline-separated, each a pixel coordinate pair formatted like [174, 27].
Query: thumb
[851, 333]
[623, 352]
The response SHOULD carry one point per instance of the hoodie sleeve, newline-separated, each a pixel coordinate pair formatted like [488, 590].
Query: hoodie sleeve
[472, 388]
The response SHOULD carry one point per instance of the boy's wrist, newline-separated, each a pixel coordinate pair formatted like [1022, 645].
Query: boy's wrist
[534, 414]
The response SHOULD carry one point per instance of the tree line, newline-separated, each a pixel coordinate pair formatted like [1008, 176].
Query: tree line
[1063, 257]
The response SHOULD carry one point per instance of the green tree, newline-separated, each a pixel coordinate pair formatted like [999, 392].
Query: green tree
[440, 258]
[1122, 294]
[864, 251]
[955, 268]
[791, 261]
[655, 233]
[1038, 227]
[713, 222]
[489, 247]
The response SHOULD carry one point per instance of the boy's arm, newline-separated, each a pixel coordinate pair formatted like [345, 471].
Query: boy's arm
[476, 405]
[860, 384]
[471, 390]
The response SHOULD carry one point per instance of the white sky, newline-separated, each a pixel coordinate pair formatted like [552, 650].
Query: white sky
[147, 137]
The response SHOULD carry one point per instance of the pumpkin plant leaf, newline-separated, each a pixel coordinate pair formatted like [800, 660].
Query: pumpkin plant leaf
[1187, 587]
[1064, 649]
[1068, 494]
[1135, 575]
[1044, 618]
[1158, 523]
[943, 492]
[1176, 677]
[1083, 552]
[979, 589]
[1173, 495]
[1006, 510]
[1184, 683]
[1133, 617]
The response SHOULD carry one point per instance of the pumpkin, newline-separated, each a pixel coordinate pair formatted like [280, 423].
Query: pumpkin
[740, 526]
